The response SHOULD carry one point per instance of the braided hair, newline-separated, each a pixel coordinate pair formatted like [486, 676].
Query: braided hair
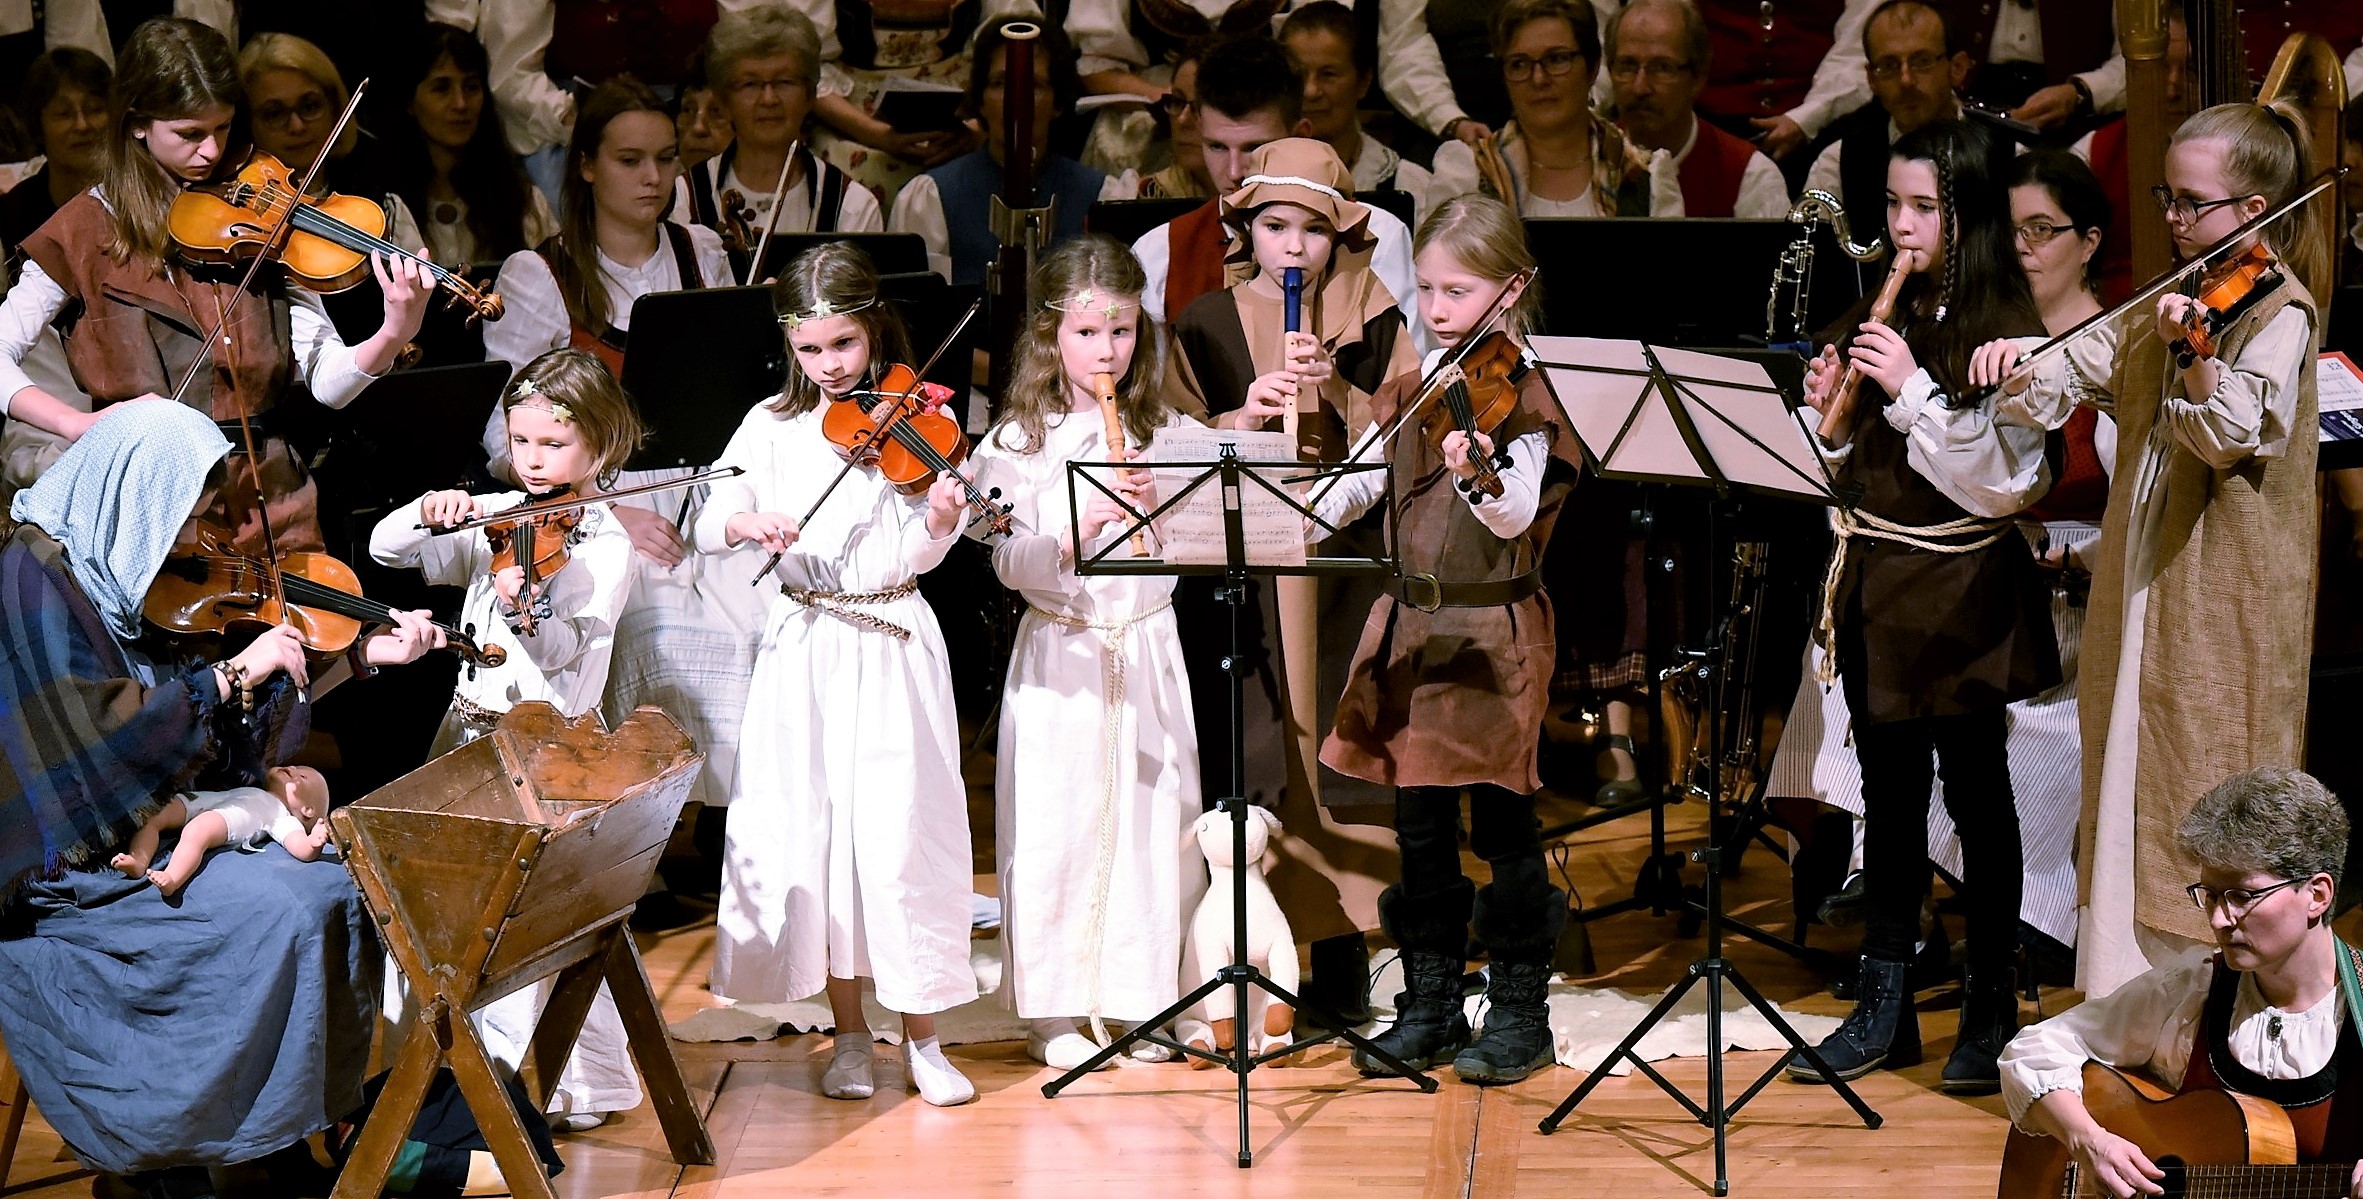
[1980, 294]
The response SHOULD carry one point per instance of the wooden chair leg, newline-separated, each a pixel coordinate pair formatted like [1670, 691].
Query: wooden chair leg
[652, 1051]
[12, 1125]
[372, 1155]
[496, 1117]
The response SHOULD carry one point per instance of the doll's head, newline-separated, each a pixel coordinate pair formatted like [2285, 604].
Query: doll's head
[1085, 320]
[302, 790]
[569, 423]
[839, 331]
[1470, 256]
[1295, 208]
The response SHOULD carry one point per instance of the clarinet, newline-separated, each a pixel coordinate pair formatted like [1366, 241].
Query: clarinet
[1792, 280]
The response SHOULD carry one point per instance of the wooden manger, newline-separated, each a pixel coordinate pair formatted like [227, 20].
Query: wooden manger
[513, 859]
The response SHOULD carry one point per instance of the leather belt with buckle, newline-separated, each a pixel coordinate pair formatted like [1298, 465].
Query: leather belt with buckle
[1428, 593]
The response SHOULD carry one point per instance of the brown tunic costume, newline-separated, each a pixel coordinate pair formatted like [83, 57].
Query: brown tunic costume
[1455, 696]
[131, 329]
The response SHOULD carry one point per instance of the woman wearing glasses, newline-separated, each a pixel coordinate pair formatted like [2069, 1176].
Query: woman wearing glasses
[2266, 1015]
[1563, 159]
[2202, 608]
[294, 96]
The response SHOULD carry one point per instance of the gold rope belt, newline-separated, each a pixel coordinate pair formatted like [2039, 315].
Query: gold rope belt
[847, 605]
[1112, 634]
[1980, 531]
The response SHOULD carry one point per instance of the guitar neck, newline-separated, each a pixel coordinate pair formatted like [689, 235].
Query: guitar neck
[2320, 1181]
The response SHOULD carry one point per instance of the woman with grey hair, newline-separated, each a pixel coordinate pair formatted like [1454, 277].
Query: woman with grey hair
[2271, 1014]
[762, 64]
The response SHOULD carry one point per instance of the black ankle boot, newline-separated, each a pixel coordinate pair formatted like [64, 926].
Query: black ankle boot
[1881, 1031]
[1989, 1015]
[1430, 930]
[1516, 1040]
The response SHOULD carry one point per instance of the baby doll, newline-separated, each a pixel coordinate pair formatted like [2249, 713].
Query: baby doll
[291, 808]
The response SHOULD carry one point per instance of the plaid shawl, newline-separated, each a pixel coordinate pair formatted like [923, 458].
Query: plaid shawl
[91, 752]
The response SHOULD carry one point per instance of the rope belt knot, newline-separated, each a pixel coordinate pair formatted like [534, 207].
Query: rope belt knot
[1966, 535]
[848, 605]
[1112, 634]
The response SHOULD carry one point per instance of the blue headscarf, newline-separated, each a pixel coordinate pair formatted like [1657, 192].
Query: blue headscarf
[118, 498]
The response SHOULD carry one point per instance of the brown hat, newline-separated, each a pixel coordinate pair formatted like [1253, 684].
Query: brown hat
[1304, 172]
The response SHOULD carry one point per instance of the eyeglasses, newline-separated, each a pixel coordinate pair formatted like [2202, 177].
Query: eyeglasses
[751, 88]
[2235, 901]
[2038, 234]
[1174, 105]
[1554, 64]
[1920, 65]
[313, 107]
[1659, 70]
[2184, 210]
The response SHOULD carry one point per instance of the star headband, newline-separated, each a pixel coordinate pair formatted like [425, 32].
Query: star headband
[1107, 304]
[528, 394]
[824, 310]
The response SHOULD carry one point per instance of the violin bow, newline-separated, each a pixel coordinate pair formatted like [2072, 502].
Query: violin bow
[278, 237]
[1427, 385]
[851, 460]
[779, 200]
[2151, 290]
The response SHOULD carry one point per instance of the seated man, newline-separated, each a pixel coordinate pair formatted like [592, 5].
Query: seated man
[1915, 67]
[1657, 66]
[2265, 1015]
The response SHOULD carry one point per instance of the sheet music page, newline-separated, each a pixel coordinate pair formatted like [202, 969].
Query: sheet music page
[1272, 530]
[2339, 391]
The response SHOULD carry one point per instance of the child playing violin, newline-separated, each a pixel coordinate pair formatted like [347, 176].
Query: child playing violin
[107, 255]
[847, 846]
[2202, 610]
[1098, 868]
[1448, 688]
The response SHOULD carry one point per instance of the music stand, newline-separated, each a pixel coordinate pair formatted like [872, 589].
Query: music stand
[1242, 486]
[700, 358]
[1688, 418]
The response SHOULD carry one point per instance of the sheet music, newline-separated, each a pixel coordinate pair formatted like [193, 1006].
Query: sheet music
[1271, 529]
[2339, 391]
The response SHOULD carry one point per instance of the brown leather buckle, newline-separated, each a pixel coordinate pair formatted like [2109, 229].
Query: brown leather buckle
[1422, 591]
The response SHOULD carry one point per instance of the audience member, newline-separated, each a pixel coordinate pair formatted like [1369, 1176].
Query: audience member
[1320, 40]
[543, 52]
[1562, 158]
[63, 104]
[445, 159]
[869, 49]
[1658, 55]
[1915, 64]
[1185, 175]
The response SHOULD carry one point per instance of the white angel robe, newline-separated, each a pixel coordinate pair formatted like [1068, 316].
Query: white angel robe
[1098, 777]
[847, 854]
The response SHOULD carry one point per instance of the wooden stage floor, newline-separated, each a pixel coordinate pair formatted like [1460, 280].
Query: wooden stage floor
[1320, 1130]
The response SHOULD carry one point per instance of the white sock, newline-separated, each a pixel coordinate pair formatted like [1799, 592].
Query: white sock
[934, 1076]
[1057, 1042]
[848, 1075]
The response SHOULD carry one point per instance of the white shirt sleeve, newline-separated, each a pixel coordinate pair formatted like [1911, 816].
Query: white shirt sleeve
[1103, 37]
[924, 551]
[24, 313]
[2354, 68]
[860, 212]
[583, 619]
[79, 24]
[1345, 500]
[1763, 190]
[2107, 81]
[1122, 186]
[1507, 515]
[459, 13]
[1988, 459]
[2255, 399]
[534, 324]
[448, 559]
[534, 112]
[2144, 1025]
[322, 360]
[1828, 172]
[920, 209]
[402, 225]
[1390, 260]
[1411, 69]
[1839, 84]
[1155, 252]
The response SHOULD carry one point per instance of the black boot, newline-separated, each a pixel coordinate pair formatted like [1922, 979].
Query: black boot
[1882, 1030]
[1516, 1040]
[1429, 1027]
[1989, 1015]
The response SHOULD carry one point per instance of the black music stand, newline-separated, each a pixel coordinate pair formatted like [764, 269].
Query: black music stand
[1688, 418]
[700, 359]
[1237, 481]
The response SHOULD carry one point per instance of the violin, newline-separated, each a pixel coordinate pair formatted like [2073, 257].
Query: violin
[327, 240]
[2224, 291]
[215, 590]
[1479, 393]
[899, 428]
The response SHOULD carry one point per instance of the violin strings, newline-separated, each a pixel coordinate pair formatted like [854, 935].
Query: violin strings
[920, 448]
[319, 224]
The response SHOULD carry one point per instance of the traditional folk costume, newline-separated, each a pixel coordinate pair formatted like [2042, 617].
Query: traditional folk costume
[2196, 1024]
[1447, 692]
[1927, 680]
[2202, 624]
[819, 198]
[867, 49]
[950, 207]
[686, 639]
[102, 978]
[1626, 180]
[1328, 872]
[1099, 871]
[563, 662]
[1197, 253]
[134, 328]
[848, 850]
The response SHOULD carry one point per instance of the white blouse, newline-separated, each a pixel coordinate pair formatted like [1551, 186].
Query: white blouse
[2150, 1025]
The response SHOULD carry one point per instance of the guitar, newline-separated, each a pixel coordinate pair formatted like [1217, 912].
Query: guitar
[2210, 1143]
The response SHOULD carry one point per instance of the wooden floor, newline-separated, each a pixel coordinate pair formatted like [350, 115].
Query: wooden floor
[1321, 1130]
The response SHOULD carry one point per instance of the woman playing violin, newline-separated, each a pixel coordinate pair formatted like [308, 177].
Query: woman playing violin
[848, 852]
[1448, 687]
[135, 317]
